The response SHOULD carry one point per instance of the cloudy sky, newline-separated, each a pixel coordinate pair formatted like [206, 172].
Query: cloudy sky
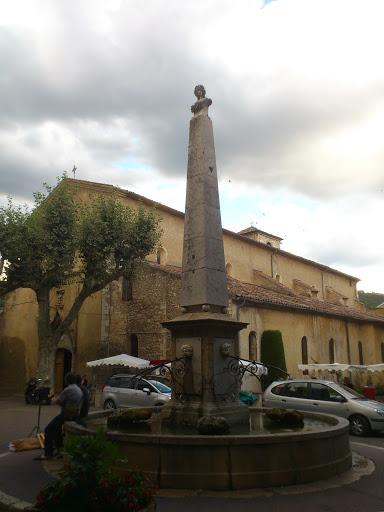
[298, 110]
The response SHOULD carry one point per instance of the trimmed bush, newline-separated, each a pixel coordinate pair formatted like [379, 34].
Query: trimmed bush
[272, 352]
[126, 417]
[212, 426]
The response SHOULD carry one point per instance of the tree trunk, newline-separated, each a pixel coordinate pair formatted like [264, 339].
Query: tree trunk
[47, 343]
[46, 364]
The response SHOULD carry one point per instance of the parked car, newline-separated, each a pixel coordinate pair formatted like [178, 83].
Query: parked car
[364, 415]
[125, 391]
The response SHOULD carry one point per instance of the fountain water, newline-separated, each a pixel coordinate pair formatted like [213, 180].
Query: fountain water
[205, 368]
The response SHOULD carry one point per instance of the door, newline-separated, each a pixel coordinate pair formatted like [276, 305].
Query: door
[63, 365]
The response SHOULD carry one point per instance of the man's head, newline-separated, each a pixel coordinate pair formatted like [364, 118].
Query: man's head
[70, 378]
[199, 92]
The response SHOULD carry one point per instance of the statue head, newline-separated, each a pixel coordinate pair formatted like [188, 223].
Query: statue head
[199, 92]
[225, 349]
[187, 350]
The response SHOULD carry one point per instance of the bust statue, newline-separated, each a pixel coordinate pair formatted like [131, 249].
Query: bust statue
[202, 103]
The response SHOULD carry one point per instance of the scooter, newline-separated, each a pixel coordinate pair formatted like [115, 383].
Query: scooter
[36, 395]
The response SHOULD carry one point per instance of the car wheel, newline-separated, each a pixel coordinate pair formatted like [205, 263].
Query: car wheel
[109, 404]
[359, 426]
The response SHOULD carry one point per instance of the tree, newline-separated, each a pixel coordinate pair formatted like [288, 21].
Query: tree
[272, 353]
[61, 241]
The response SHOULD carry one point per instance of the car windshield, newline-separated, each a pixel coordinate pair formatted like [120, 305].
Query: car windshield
[346, 391]
[160, 386]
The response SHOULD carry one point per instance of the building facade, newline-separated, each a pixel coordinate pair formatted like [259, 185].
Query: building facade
[315, 307]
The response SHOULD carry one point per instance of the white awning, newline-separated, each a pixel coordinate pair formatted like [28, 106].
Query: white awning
[339, 367]
[121, 360]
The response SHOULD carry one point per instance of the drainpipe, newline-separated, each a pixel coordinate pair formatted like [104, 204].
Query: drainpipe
[348, 346]
[238, 307]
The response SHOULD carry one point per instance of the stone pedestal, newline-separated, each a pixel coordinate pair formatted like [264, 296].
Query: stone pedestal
[208, 381]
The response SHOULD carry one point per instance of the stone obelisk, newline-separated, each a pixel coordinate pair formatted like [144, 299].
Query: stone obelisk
[205, 336]
[203, 281]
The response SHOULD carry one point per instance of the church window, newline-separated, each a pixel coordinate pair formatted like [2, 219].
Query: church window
[304, 352]
[229, 269]
[134, 345]
[361, 358]
[126, 293]
[161, 256]
[252, 343]
[382, 352]
[331, 351]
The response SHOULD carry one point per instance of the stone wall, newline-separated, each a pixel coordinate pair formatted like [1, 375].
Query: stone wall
[155, 299]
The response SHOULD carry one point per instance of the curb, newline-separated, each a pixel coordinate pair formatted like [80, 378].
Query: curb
[8, 502]
[362, 466]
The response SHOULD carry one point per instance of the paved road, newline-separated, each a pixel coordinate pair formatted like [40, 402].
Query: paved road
[22, 477]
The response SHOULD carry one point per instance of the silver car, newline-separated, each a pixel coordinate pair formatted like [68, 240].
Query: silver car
[124, 391]
[364, 415]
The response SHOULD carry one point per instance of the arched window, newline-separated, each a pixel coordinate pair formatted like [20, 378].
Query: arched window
[331, 351]
[134, 345]
[252, 343]
[304, 353]
[382, 352]
[277, 277]
[161, 256]
[361, 358]
[229, 269]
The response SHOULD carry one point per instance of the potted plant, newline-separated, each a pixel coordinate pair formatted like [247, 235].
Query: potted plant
[87, 482]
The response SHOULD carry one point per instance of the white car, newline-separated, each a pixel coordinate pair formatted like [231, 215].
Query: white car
[124, 391]
[364, 415]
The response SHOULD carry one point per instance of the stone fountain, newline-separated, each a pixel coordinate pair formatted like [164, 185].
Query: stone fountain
[205, 372]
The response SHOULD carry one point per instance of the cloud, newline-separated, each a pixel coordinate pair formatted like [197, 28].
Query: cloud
[298, 109]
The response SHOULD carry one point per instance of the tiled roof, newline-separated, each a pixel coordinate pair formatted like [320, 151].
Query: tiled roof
[268, 298]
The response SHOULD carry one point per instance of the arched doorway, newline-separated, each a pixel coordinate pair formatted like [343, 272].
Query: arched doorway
[63, 365]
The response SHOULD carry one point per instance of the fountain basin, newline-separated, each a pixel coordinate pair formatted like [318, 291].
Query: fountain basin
[236, 461]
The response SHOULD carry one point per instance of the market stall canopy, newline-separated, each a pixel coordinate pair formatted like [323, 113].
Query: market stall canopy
[339, 367]
[121, 360]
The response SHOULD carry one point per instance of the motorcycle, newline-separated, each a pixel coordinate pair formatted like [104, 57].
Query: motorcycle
[37, 395]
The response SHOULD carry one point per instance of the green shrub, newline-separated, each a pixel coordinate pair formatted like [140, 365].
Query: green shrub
[272, 353]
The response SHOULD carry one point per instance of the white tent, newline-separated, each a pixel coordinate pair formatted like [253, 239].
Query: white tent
[338, 367]
[121, 360]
